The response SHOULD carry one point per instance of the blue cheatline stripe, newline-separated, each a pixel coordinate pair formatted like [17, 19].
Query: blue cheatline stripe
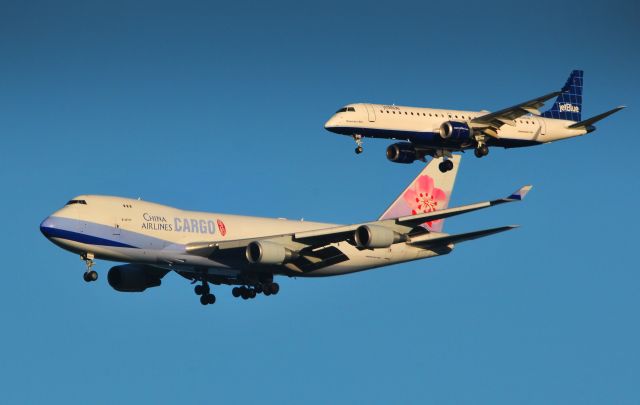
[81, 237]
[100, 234]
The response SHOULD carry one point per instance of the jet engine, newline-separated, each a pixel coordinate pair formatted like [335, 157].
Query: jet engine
[265, 252]
[375, 236]
[456, 131]
[135, 277]
[402, 152]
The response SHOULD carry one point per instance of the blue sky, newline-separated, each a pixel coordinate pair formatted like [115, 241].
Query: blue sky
[219, 107]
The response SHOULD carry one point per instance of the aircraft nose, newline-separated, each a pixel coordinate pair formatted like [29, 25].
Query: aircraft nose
[331, 123]
[48, 227]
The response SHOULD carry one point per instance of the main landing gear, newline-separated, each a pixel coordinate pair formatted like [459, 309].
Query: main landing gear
[481, 150]
[89, 275]
[358, 139]
[204, 292]
[445, 166]
[246, 292]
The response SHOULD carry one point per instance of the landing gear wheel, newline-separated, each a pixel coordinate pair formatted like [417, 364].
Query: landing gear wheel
[92, 275]
[199, 290]
[236, 292]
[480, 151]
[211, 299]
[275, 287]
[445, 166]
[359, 150]
[85, 277]
[252, 294]
[204, 300]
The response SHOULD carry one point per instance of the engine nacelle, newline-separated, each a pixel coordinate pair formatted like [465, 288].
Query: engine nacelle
[134, 277]
[375, 236]
[456, 131]
[402, 152]
[265, 252]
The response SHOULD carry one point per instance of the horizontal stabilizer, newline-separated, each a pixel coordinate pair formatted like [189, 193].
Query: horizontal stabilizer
[588, 122]
[462, 237]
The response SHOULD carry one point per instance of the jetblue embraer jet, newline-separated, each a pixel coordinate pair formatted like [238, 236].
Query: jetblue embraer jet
[438, 132]
[247, 252]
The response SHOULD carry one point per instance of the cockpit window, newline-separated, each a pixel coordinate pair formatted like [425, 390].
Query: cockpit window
[346, 109]
[76, 202]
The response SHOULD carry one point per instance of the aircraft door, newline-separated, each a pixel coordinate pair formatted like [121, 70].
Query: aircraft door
[542, 129]
[371, 112]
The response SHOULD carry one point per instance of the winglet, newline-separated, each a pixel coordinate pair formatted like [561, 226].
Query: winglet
[520, 194]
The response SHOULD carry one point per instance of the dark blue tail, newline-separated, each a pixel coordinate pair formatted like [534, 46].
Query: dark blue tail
[568, 105]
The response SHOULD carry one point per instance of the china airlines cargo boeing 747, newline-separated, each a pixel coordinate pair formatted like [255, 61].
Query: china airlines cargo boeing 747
[439, 132]
[247, 252]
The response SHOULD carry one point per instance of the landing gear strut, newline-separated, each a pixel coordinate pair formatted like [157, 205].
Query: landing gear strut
[89, 275]
[358, 139]
[445, 166]
[203, 291]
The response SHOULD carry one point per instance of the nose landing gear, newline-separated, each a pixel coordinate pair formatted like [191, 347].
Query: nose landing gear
[89, 275]
[358, 139]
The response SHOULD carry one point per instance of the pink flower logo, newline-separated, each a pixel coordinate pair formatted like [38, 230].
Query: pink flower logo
[222, 228]
[423, 198]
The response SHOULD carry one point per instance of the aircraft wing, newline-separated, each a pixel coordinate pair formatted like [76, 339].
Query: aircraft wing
[491, 122]
[313, 244]
[462, 237]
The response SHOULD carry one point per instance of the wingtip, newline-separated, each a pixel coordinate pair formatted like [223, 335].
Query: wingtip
[521, 193]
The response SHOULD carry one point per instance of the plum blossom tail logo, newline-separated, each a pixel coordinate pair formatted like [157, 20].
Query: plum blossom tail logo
[222, 228]
[424, 197]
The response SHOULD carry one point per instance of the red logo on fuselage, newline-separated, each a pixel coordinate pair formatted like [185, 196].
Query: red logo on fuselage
[222, 228]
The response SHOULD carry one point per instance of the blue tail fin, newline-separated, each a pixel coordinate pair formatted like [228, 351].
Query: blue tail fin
[568, 105]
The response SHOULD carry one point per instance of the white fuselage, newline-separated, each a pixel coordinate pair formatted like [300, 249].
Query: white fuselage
[421, 126]
[141, 232]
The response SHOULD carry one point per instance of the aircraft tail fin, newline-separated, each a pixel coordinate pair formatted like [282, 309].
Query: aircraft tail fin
[429, 191]
[568, 105]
